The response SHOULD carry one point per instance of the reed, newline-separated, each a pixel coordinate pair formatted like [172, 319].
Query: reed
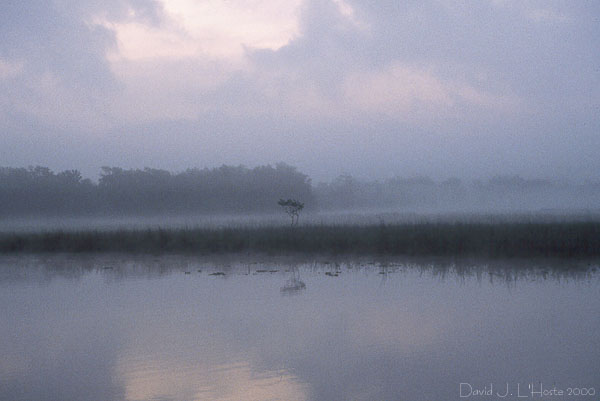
[501, 239]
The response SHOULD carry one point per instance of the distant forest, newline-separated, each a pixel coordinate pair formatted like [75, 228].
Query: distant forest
[230, 189]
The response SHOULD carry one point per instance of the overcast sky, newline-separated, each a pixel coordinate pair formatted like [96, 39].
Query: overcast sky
[372, 88]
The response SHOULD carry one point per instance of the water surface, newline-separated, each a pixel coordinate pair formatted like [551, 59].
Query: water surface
[132, 328]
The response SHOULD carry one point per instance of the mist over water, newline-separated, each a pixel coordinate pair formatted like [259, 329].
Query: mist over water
[313, 200]
[169, 328]
[41, 199]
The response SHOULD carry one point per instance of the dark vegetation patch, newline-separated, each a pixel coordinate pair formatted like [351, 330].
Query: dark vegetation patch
[552, 239]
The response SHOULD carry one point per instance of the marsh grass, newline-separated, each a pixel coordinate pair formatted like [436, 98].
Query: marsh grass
[501, 239]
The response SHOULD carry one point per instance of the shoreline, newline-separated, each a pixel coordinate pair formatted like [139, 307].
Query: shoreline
[479, 239]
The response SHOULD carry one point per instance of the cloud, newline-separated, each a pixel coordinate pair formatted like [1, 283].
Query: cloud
[548, 15]
[64, 79]
[205, 29]
[538, 11]
[173, 69]
[139, 61]
[398, 90]
[9, 69]
[232, 73]
[420, 96]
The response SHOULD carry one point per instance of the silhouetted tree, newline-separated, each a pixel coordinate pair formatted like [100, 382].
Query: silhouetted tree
[292, 207]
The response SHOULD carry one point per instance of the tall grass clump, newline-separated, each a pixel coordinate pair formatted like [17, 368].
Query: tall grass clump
[490, 239]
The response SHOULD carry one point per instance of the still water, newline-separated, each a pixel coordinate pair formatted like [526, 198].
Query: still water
[131, 328]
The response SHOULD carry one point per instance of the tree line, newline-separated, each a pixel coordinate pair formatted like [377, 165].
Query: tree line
[499, 193]
[226, 189]
[238, 189]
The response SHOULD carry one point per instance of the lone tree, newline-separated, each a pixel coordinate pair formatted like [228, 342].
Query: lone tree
[292, 207]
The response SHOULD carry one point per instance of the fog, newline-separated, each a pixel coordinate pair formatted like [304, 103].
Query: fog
[298, 199]
[377, 90]
[37, 197]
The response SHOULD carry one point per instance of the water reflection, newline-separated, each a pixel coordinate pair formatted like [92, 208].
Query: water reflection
[294, 284]
[142, 329]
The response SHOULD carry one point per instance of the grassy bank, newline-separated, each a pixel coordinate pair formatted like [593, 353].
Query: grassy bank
[562, 239]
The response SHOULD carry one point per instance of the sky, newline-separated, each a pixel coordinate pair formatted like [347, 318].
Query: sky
[376, 89]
